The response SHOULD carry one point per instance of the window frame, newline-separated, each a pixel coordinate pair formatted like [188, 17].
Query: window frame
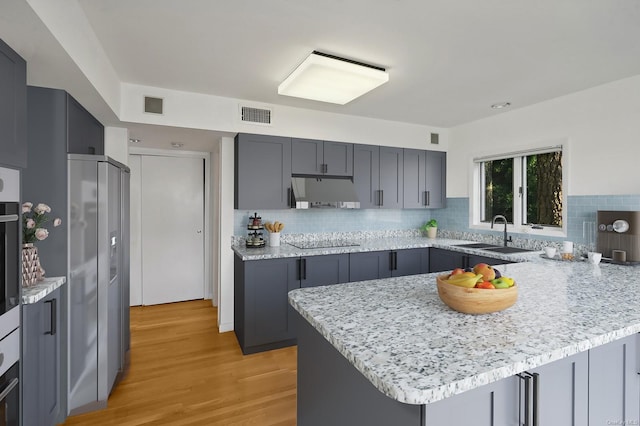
[519, 179]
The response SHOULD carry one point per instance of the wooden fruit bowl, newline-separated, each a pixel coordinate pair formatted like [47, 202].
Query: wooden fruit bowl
[475, 300]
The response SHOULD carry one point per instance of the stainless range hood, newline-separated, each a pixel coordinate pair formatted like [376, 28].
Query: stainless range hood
[324, 192]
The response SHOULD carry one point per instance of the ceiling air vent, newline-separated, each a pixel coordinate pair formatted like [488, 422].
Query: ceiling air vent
[153, 105]
[255, 115]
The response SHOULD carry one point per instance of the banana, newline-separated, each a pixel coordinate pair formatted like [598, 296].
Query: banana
[464, 280]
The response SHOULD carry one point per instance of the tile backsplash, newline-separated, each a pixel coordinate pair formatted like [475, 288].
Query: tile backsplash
[335, 220]
[453, 221]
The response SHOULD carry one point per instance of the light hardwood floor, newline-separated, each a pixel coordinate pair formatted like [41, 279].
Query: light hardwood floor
[183, 372]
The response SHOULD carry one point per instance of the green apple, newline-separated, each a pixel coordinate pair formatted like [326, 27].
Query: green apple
[500, 283]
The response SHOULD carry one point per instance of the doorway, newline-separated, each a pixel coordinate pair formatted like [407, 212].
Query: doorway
[169, 230]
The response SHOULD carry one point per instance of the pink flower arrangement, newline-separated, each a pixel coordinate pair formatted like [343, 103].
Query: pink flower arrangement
[33, 220]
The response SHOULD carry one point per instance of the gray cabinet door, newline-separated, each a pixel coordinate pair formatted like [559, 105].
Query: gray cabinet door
[41, 361]
[85, 134]
[338, 158]
[324, 270]
[13, 108]
[391, 178]
[263, 172]
[614, 383]
[414, 178]
[493, 404]
[475, 259]
[267, 310]
[369, 265]
[306, 156]
[408, 262]
[441, 260]
[366, 174]
[563, 391]
[435, 194]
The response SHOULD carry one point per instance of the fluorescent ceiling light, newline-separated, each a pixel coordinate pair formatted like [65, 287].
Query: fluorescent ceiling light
[327, 78]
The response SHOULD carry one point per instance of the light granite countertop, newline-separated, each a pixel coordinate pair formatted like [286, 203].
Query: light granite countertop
[377, 244]
[413, 348]
[41, 290]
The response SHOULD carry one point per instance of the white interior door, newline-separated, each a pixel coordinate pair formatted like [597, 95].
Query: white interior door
[172, 222]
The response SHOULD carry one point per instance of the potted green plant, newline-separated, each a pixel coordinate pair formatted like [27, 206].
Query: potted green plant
[430, 228]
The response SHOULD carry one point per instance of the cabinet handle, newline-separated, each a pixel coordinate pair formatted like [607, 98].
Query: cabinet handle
[382, 197]
[393, 260]
[304, 269]
[290, 197]
[54, 315]
[299, 269]
[536, 384]
[530, 397]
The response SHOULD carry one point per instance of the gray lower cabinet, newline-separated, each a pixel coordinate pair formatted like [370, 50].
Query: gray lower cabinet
[262, 315]
[324, 270]
[563, 392]
[561, 399]
[495, 404]
[384, 264]
[41, 361]
[442, 260]
[614, 383]
[316, 157]
[425, 179]
[262, 172]
[13, 108]
[378, 176]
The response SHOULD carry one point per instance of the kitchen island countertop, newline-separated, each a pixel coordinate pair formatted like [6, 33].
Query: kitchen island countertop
[416, 350]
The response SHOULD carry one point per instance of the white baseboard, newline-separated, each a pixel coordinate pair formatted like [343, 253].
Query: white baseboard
[224, 327]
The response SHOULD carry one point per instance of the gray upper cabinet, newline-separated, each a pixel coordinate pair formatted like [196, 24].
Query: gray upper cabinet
[85, 133]
[366, 174]
[436, 179]
[378, 176]
[262, 172]
[13, 108]
[316, 157]
[424, 179]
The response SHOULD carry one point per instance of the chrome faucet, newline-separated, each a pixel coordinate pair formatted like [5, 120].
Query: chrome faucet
[504, 219]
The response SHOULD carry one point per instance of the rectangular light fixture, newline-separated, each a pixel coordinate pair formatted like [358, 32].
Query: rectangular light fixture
[327, 78]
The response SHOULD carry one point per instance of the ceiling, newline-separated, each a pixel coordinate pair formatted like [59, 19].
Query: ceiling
[448, 61]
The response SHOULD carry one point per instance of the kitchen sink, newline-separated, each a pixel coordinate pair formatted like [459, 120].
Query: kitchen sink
[506, 250]
[478, 245]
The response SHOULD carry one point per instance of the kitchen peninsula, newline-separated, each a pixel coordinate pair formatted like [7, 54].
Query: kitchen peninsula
[388, 351]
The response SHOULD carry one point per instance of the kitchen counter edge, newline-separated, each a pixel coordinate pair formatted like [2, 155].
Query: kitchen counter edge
[35, 293]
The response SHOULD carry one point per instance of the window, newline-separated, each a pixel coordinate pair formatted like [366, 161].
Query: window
[526, 187]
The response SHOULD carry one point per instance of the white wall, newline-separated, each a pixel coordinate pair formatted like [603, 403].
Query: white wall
[602, 125]
[225, 254]
[116, 144]
[198, 111]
